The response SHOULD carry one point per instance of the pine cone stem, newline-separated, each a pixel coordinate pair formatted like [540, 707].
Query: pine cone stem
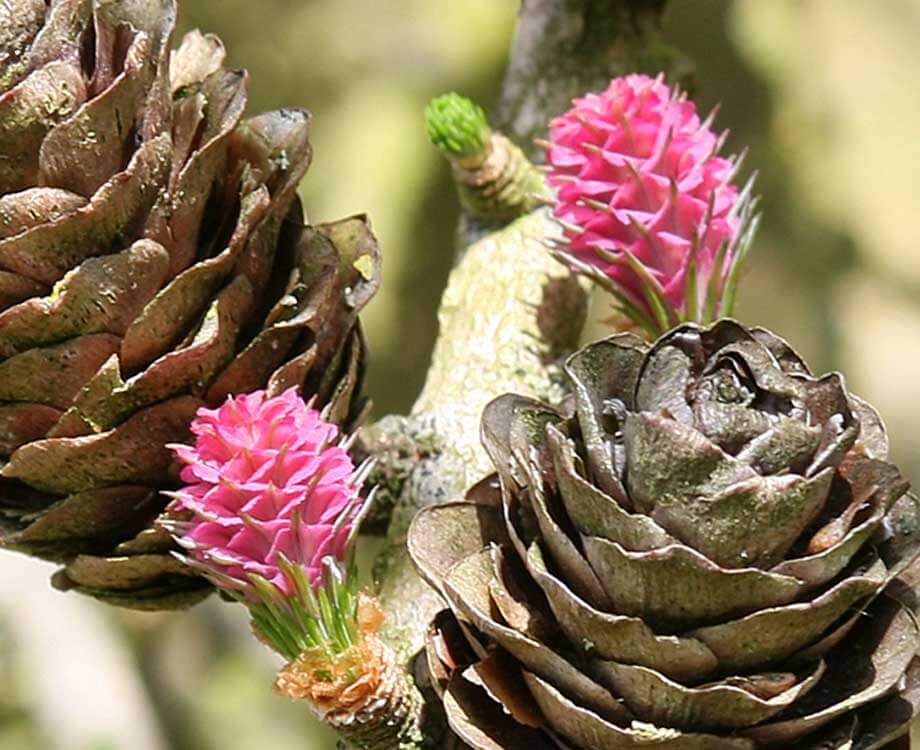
[392, 725]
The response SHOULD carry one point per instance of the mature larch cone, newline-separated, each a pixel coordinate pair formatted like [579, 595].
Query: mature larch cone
[153, 260]
[705, 550]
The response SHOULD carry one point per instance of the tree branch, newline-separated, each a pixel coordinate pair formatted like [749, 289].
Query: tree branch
[566, 48]
[510, 312]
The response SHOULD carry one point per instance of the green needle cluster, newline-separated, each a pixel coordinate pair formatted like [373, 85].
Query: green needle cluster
[457, 125]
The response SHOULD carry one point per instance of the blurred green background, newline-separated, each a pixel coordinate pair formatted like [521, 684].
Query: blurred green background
[823, 93]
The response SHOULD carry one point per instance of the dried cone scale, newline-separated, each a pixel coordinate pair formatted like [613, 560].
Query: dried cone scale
[706, 550]
[153, 260]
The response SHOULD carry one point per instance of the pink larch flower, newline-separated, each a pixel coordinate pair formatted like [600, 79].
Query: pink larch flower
[647, 206]
[266, 488]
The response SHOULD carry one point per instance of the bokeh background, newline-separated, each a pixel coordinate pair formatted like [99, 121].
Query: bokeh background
[823, 93]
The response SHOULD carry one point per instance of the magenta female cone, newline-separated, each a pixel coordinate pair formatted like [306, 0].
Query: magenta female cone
[648, 206]
[266, 481]
[269, 513]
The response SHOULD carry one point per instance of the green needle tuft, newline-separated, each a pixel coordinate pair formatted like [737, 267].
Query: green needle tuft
[457, 126]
